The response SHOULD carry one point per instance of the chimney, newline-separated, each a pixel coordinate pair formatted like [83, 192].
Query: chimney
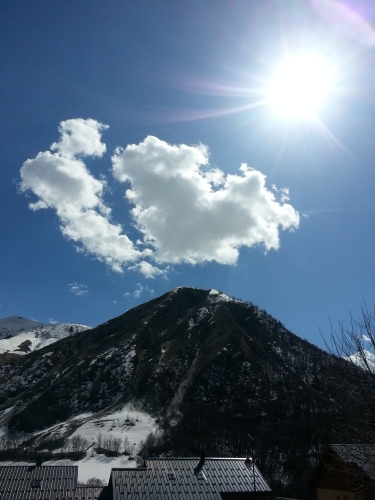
[200, 464]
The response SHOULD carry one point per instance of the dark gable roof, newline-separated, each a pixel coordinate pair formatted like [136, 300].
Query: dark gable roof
[349, 465]
[361, 455]
[53, 482]
[183, 478]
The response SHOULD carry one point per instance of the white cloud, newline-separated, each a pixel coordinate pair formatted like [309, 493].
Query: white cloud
[184, 210]
[80, 137]
[78, 289]
[62, 182]
[138, 291]
[147, 269]
[284, 193]
[189, 213]
[366, 338]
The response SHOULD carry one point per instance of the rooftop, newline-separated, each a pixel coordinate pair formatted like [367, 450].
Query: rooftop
[187, 477]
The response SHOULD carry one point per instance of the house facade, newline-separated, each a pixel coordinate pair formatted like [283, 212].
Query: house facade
[346, 472]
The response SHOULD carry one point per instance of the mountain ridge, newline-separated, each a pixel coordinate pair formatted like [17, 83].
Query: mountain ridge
[20, 335]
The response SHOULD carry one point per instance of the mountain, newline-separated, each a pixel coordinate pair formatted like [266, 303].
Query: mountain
[213, 371]
[9, 327]
[21, 335]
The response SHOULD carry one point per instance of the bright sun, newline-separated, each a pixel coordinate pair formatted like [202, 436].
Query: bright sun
[300, 86]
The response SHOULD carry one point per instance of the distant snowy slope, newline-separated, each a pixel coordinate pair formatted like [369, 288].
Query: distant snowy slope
[15, 324]
[20, 335]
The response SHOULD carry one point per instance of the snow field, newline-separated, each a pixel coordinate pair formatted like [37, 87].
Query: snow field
[38, 337]
[116, 425]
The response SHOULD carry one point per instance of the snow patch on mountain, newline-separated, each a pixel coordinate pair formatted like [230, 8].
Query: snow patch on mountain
[191, 324]
[214, 296]
[175, 290]
[202, 314]
[13, 325]
[20, 335]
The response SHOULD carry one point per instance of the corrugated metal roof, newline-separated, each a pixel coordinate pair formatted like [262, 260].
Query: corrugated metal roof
[362, 455]
[43, 483]
[218, 475]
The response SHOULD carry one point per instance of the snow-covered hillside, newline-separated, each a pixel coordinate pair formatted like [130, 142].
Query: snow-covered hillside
[21, 335]
[128, 423]
[9, 327]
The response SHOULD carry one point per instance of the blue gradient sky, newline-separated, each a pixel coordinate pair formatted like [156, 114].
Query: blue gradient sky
[178, 71]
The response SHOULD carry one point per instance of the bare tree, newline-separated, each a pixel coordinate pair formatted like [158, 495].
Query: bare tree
[117, 442]
[95, 481]
[354, 420]
[99, 441]
[356, 342]
[354, 346]
[65, 445]
[78, 443]
[127, 446]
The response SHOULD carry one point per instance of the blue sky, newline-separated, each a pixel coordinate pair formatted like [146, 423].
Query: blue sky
[124, 126]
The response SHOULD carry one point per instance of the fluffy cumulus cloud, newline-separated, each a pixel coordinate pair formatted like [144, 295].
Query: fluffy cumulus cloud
[62, 181]
[190, 213]
[184, 210]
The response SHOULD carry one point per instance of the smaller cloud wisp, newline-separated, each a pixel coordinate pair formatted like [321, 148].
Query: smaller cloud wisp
[78, 289]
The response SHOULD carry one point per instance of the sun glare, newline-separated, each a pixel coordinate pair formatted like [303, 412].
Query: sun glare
[300, 86]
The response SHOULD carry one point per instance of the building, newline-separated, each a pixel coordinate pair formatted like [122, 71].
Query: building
[346, 472]
[190, 478]
[54, 482]
[159, 479]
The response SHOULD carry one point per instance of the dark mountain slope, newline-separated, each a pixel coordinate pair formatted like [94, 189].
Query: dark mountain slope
[214, 370]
